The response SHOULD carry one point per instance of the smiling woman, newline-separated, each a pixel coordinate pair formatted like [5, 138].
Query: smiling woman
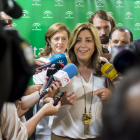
[82, 120]
[81, 51]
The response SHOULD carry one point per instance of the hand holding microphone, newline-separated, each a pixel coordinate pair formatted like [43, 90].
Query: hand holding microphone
[51, 71]
[110, 72]
[56, 58]
[38, 63]
[63, 76]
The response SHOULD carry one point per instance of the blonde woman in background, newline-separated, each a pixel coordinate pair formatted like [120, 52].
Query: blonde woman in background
[56, 38]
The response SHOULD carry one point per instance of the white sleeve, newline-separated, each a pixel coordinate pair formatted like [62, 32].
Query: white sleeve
[11, 126]
[39, 78]
[44, 59]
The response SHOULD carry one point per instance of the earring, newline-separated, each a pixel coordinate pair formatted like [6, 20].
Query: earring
[49, 46]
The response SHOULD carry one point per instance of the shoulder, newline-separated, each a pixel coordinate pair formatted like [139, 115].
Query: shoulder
[8, 108]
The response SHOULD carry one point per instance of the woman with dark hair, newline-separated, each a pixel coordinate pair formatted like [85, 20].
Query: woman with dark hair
[82, 120]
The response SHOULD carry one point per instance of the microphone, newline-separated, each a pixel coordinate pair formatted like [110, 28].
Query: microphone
[58, 97]
[54, 68]
[56, 58]
[50, 71]
[109, 71]
[64, 76]
[12, 9]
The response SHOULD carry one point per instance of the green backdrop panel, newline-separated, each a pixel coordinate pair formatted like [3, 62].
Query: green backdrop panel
[39, 15]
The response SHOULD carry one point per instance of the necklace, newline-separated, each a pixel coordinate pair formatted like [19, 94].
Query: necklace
[86, 117]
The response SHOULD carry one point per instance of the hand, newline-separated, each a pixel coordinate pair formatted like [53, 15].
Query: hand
[106, 55]
[39, 63]
[31, 89]
[55, 85]
[103, 93]
[49, 109]
[116, 82]
[47, 100]
[103, 59]
[70, 100]
[55, 90]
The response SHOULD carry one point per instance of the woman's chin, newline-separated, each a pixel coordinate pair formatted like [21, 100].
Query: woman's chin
[60, 51]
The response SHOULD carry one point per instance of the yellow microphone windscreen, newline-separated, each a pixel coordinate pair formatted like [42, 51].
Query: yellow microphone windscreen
[109, 71]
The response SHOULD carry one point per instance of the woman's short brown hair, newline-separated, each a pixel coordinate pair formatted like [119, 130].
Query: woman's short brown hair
[72, 41]
[49, 33]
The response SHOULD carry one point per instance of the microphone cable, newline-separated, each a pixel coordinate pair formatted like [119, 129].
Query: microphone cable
[44, 91]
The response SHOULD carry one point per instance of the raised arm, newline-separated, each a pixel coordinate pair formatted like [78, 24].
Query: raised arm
[47, 110]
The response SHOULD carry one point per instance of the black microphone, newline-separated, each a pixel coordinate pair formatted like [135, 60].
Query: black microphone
[54, 68]
[57, 97]
[44, 66]
[50, 72]
[47, 65]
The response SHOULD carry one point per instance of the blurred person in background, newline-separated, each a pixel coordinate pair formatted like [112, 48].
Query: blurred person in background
[121, 114]
[56, 38]
[120, 36]
[7, 20]
[104, 23]
[11, 128]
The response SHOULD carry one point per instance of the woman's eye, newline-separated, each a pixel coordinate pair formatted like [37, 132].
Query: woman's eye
[56, 38]
[78, 41]
[88, 40]
[64, 38]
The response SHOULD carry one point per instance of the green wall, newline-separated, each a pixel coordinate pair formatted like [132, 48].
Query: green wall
[39, 15]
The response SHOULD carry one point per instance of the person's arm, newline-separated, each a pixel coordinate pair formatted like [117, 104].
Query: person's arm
[29, 100]
[33, 88]
[20, 111]
[46, 110]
